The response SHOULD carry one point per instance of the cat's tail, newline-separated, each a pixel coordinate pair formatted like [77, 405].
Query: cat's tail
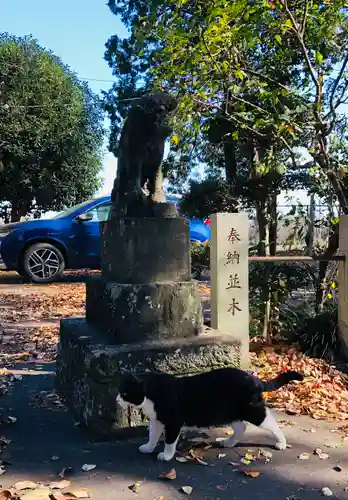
[282, 379]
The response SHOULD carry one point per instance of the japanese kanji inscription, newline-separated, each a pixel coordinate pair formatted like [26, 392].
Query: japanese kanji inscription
[229, 273]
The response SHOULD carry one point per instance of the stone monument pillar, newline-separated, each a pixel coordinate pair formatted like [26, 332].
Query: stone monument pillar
[143, 314]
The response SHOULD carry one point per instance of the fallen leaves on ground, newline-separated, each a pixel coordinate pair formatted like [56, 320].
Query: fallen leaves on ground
[29, 319]
[251, 473]
[323, 394]
[60, 485]
[171, 475]
[25, 485]
[57, 490]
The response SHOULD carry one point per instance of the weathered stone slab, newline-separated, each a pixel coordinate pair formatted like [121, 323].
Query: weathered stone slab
[146, 250]
[132, 313]
[89, 366]
[230, 276]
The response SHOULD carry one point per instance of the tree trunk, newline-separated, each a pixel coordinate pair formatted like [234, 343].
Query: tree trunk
[15, 212]
[310, 233]
[261, 217]
[273, 223]
[230, 161]
[332, 248]
[263, 247]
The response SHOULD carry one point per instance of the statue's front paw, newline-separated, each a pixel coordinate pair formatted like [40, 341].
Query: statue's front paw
[146, 448]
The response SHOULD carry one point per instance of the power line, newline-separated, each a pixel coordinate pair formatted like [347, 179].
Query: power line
[96, 80]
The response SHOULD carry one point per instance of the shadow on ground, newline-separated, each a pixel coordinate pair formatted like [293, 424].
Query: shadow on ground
[80, 276]
[44, 430]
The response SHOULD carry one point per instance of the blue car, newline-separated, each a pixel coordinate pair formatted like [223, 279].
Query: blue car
[41, 249]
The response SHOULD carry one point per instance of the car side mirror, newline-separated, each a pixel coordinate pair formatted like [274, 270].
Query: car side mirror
[84, 217]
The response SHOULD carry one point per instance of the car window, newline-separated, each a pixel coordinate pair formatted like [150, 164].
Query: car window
[100, 213]
[71, 210]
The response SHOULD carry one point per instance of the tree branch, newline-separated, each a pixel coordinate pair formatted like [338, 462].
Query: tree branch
[263, 77]
[304, 19]
[333, 106]
[304, 166]
[251, 104]
[230, 118]
[315, 79]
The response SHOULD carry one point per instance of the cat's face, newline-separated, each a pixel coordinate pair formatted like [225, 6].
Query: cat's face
[130, 392]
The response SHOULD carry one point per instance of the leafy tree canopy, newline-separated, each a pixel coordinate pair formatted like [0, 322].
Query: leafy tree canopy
[51, 130]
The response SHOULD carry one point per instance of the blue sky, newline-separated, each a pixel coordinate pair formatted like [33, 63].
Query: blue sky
[76, 31]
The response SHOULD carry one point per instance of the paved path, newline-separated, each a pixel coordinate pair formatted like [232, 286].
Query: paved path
[43, 432]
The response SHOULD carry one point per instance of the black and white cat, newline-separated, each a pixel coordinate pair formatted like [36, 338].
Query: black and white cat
[227, 396]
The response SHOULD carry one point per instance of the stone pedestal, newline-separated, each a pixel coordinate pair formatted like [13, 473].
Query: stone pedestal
[144, 314]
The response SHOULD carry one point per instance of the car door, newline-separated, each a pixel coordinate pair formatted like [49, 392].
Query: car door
[87, 236]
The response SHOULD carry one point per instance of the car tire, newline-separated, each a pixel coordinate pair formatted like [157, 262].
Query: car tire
[42, 263]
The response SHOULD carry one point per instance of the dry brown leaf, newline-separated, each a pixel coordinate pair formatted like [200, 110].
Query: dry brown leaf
[251, 473]
[6, 495]
[60, 485]
[321, 454]
[39, 493]
[326, 492]
[58, 495]
[80, 493]
[265, 454]
[67, 471]
[192, 454]
[171, 475]
[88, 467]
[135, 487]
[25, 485]
[187, 489]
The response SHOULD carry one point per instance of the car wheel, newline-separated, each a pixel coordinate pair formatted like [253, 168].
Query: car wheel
[42, 263]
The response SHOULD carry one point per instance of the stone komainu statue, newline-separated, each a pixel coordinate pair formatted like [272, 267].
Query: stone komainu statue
[138, 184]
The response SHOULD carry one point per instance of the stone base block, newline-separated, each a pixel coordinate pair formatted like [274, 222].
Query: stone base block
[146, 250]
[132, 313]
[89, 367]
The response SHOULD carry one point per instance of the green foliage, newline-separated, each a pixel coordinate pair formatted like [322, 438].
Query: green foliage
[200, 258]
[276, 281]
[265, 72]
[318, 336]
[51, 130]
[208, 197]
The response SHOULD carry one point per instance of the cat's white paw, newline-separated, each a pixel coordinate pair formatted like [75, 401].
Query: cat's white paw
[146, 448]
[281, 445]
[164, 456]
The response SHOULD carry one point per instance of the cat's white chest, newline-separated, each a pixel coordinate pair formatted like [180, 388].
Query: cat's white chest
[148, 408]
